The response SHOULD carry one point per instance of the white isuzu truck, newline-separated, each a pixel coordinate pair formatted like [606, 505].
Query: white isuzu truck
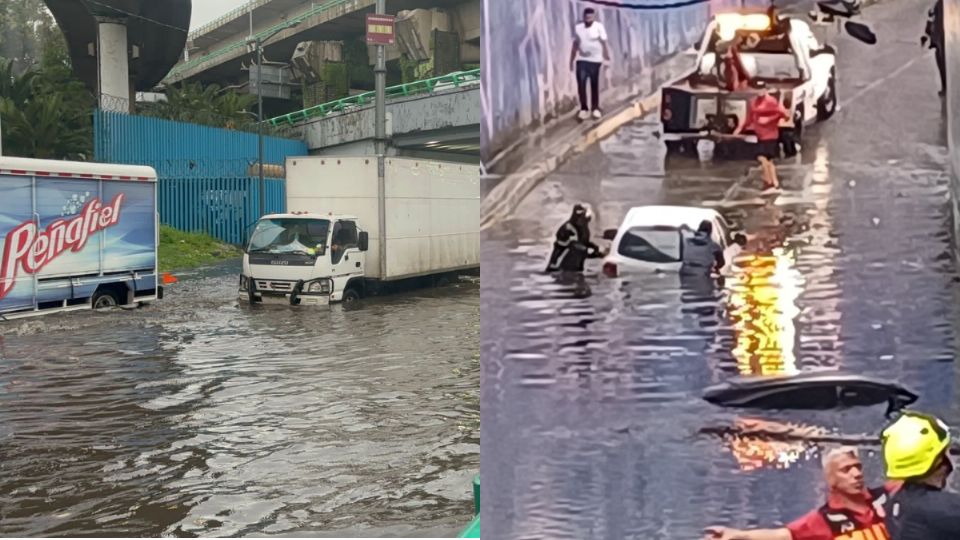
[345, 235]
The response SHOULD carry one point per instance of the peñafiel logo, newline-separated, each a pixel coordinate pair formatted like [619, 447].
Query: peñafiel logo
[31, 249]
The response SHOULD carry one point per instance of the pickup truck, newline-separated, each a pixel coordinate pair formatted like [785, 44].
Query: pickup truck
[784, 53]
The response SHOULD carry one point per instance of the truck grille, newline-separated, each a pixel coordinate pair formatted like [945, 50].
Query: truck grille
[277, 286]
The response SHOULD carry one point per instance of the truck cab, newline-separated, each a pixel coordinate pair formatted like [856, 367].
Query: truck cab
[304, 258]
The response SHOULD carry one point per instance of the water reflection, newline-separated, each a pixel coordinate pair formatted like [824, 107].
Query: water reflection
[195, 416]
[764, 444]
[848, 267]
[763, 309]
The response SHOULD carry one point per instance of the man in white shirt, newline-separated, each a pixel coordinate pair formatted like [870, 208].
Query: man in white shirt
[588, 54]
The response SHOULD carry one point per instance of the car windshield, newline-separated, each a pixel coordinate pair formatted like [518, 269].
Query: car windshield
[651, 244]
[289, 235]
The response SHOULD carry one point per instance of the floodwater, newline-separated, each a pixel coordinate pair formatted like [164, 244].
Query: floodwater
[198, 416]
[592, 412]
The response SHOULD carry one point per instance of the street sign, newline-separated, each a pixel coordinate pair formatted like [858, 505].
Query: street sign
[380, 29]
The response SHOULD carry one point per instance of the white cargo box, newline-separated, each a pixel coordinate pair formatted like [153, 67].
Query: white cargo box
[432, 208]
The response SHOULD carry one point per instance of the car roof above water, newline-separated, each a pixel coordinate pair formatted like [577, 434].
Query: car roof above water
[670, 216]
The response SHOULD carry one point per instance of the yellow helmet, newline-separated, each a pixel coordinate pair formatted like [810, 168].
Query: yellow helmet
[912, 444]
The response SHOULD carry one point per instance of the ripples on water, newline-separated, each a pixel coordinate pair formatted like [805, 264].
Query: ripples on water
[591, 405]
[197, 416]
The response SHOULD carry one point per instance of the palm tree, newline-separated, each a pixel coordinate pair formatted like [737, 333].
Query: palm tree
[45, 113]
[207, 105]
[45, 128]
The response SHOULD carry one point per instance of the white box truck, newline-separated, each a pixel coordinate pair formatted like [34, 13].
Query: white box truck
[76, 236]
[345, 235]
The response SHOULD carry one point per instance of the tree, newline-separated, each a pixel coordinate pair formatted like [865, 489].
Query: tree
[25, 26]
[45, 128]
[207, 105]
[45, 111]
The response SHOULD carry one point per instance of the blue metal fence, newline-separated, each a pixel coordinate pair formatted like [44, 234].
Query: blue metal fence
[204, 182]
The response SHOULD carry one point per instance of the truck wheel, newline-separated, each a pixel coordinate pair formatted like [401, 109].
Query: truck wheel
[350, 296]
[104, 298]
[827, 104]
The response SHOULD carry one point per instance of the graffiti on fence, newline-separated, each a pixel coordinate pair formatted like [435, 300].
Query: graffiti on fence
[204, 173]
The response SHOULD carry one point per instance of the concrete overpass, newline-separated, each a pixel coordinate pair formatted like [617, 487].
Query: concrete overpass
[443, 125]
[217, 52]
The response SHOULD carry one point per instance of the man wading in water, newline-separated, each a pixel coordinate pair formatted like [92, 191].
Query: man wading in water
[763, 117]
[701, 255]
[572, 246]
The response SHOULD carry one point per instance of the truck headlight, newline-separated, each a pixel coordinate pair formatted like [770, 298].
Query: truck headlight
[317, 287]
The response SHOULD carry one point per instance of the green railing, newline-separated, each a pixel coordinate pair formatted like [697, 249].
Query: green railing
[179, 68]
[425, 86]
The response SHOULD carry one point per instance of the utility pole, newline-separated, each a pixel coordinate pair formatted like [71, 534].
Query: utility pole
[380, 85]
[263, 185]
[257, 42]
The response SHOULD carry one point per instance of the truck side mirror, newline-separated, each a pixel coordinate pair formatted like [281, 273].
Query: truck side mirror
[860, 32]
[364, 241]
[610, 234]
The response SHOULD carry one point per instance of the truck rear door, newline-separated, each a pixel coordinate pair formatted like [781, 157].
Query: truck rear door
[17, 288]
[705, 109]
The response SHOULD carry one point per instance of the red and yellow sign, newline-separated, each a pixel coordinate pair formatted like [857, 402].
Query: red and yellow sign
[380, 29]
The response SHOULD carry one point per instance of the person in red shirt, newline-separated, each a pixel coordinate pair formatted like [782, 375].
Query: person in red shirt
[763, 118]
[851, 511]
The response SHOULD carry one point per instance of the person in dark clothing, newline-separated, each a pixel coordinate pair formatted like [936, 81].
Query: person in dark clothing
[701, 255]
[934, 33]
[572, 246]
[916, 450]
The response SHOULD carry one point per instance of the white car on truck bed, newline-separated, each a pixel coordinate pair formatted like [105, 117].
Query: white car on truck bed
[785, 54]
[328, 247]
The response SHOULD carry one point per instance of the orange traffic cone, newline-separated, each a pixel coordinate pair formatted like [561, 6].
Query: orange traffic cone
[169, 278]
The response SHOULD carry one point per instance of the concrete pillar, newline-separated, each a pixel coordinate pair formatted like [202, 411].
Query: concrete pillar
[113, 68]
[322, 72]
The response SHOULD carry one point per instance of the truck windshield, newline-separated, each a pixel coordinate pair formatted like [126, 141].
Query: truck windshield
[289, 235]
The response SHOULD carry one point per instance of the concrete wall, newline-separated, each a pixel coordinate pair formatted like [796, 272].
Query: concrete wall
[454, 108]
[527, 81]
[951, 12]
[368, 148]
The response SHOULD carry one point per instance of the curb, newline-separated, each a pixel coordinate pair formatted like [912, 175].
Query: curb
[510, 192]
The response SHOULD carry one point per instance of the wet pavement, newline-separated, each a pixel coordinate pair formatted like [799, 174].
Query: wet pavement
[591, 406]
[198, 416]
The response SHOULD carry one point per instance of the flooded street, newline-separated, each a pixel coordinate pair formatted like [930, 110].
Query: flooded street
[591, 406]
[198, 416]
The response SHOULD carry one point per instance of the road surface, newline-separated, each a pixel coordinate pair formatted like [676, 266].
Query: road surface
[197, 416]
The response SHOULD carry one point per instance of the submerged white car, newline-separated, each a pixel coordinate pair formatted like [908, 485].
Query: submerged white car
[651, 238]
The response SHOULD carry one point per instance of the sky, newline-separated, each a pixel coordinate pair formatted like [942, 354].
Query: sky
[205, 11]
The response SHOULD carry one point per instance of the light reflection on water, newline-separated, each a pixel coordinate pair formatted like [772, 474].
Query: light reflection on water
[592, 404]
[763, 309]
